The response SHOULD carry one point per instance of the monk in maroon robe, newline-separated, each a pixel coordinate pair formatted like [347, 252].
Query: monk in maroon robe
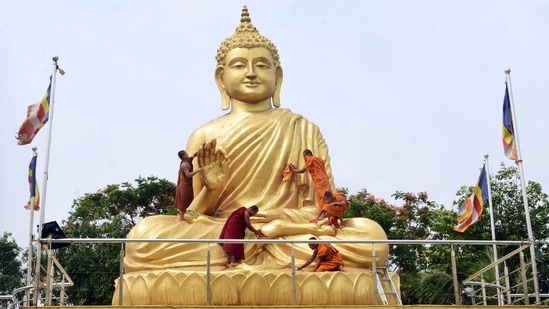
[184, 189]
[235, 228]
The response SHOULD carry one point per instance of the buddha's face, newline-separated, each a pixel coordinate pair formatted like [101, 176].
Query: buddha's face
[249, 74]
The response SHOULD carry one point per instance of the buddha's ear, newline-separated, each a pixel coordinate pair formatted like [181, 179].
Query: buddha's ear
[225, 98]
[276, 94]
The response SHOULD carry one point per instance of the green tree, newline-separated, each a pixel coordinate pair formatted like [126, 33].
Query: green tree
[11, 273]
[107, 213]
[413, 220]
[509, 220]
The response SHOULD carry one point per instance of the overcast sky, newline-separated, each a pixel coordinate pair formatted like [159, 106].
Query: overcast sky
[408, 94]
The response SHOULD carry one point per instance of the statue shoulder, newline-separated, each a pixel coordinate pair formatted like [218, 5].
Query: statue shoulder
[289, 114]
[203, 134]
[304, 122]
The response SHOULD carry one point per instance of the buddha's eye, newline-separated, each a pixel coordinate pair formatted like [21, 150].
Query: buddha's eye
[262, 65]
[238, 65]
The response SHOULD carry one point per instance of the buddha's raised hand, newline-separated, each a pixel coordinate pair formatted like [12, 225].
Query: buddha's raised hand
[212, 160]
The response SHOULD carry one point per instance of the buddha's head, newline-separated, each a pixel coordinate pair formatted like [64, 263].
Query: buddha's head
[248, 66]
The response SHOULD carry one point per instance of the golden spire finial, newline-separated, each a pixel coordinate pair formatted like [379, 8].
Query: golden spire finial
[245, 16]
[245, 36]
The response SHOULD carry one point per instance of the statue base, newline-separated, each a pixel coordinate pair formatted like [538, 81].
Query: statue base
[247, 286]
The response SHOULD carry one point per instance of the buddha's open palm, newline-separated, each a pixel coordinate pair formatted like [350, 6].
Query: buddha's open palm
[212, 159]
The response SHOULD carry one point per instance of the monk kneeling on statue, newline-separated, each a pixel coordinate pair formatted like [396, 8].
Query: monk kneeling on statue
[333, 209]
[328, 258]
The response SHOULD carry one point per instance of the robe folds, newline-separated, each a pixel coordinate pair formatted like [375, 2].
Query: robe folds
[330, 259]
[258, 147]
[321, 182]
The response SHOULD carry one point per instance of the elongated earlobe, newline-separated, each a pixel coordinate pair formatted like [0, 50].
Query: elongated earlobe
[225, 98]
[276, 98]
[276, 94]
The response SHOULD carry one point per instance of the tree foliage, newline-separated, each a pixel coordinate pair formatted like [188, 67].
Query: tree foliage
[425, 269]
[108, 213]
[509, 221]
[411, 220]
[509, 224]
[11, 273]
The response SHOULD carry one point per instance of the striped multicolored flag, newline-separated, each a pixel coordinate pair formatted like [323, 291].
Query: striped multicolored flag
[509, 146]
[37, 116]
[471, 211]
[33, 185]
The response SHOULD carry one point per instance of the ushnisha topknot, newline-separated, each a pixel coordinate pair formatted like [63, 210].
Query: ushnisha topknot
[245, 36]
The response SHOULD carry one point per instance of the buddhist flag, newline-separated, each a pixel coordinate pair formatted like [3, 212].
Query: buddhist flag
[509, 146]
[33, 185]
[37, 116]
[471, 211]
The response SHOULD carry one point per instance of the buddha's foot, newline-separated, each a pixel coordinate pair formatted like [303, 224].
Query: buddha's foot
[327, 230]
[322, 222]
[190, 216]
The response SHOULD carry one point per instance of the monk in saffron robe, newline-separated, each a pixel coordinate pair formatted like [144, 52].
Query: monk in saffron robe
[235, 228]
[334, 207]
[329, 258]
[184, 189]
[316, 168]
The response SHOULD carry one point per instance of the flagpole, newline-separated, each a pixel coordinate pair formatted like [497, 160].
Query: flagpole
[523, 186]
[493, 227]
[31, 239]
[56, 68]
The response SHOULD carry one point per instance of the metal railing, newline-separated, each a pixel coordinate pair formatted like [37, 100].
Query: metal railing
[511, 297]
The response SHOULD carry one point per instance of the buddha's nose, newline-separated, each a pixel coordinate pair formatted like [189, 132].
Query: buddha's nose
[250, 72]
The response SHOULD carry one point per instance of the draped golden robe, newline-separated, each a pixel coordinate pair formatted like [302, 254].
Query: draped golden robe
[258, 148]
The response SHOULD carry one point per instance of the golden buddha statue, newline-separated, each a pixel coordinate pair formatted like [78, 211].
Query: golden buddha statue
[243, 154]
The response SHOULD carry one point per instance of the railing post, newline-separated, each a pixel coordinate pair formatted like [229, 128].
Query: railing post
[523, 277]
[208, 273]
[62, 293]
[49, 277]
[507, 283]
[483, 287]
[121, 276]
[294, 285]
[374, 273]
[454, 275]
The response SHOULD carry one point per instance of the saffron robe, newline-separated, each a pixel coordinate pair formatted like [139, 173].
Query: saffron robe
[321, 181]
[335, 212]
[330, 259]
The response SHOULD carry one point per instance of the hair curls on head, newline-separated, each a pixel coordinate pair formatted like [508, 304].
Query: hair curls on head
[245, 36]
